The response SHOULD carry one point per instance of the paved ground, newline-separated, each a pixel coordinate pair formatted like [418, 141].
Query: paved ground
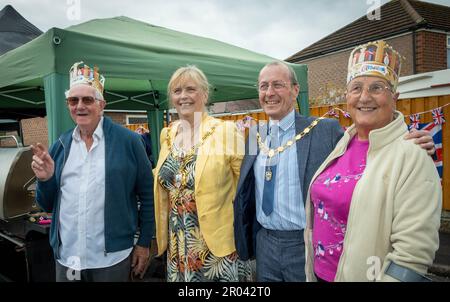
[440, 271]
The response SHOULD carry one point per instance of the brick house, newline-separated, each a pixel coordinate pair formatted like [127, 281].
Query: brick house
[420, 31]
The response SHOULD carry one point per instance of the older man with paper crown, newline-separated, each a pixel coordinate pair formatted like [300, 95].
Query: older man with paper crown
[92, 179]
[373, 207]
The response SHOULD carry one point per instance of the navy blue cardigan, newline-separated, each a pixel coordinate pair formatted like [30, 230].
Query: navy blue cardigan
[128, 178]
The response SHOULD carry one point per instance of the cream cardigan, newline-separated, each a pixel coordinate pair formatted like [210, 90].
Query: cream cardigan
[395, 209]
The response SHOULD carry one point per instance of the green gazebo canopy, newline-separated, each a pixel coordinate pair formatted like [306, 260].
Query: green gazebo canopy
[137, 60]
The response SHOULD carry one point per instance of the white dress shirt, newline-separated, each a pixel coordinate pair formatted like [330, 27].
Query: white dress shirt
[82, 206]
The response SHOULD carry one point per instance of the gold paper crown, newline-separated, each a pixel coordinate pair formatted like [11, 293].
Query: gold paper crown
[375, 59]
[80, 73]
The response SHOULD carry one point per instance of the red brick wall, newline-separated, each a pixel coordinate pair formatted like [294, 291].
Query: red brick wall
[326, 71]
[331, 70]
[431, 51]
[404, 45]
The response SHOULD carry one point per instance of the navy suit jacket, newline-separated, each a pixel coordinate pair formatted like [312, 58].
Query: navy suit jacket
[312, 150]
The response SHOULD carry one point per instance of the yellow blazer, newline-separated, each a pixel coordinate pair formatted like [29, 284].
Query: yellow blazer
[216, 175]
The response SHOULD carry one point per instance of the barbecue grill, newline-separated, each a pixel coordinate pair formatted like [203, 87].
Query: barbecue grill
[17, 181]
[25, 255]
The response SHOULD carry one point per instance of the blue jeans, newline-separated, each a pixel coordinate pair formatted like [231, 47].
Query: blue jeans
[280, 256]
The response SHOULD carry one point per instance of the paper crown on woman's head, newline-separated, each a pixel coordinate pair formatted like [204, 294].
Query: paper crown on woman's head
[375, 59]
[80, 73]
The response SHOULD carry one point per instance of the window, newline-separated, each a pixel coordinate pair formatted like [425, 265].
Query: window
[136, 119]
[448, 52]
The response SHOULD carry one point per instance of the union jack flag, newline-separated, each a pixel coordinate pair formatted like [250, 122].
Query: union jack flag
[436, 134]
[415, 120]
[438, 116]
[347, 114]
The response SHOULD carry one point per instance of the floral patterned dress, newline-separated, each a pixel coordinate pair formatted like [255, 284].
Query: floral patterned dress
[188, 257]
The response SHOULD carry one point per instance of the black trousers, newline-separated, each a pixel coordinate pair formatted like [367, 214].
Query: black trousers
[116, 273]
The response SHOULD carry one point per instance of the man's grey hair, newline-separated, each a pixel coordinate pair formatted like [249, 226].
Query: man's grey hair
[292, 75]
[98, 95]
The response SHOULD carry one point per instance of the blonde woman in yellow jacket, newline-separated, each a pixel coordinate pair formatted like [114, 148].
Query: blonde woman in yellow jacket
[195, 183]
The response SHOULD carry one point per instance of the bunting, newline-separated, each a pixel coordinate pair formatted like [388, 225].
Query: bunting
[438, 116]
[437, 113]
[414, 121]
[333, 113]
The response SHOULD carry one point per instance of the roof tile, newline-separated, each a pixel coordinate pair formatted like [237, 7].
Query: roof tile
[398, 16]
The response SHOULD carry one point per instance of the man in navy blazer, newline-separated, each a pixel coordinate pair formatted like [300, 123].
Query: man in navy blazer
[269, 213]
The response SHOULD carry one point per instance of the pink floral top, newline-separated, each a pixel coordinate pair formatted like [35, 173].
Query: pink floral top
[331, 195]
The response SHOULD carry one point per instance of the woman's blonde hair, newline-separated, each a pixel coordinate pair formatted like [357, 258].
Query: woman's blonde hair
[189, 72]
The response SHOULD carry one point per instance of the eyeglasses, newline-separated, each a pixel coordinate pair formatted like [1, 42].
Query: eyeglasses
[276, 85]
[87, 100]
[373, 89]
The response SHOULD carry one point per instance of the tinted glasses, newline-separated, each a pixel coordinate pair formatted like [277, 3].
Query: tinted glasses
[87, 100]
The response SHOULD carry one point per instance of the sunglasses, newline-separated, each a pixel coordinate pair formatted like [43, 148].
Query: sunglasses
[87, 100]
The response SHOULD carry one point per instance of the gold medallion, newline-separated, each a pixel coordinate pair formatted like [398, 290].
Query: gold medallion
[271, 152]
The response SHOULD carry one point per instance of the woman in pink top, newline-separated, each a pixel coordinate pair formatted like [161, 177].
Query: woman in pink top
[373, 212]
[331, 195]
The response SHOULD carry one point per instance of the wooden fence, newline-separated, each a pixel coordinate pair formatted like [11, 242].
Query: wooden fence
[133, 127]
[406, 106]
[411, 106]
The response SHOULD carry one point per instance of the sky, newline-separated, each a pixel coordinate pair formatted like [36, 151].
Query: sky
[277, 28]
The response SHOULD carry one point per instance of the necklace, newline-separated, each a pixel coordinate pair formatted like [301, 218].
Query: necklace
[184, 157]
[272, 152]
